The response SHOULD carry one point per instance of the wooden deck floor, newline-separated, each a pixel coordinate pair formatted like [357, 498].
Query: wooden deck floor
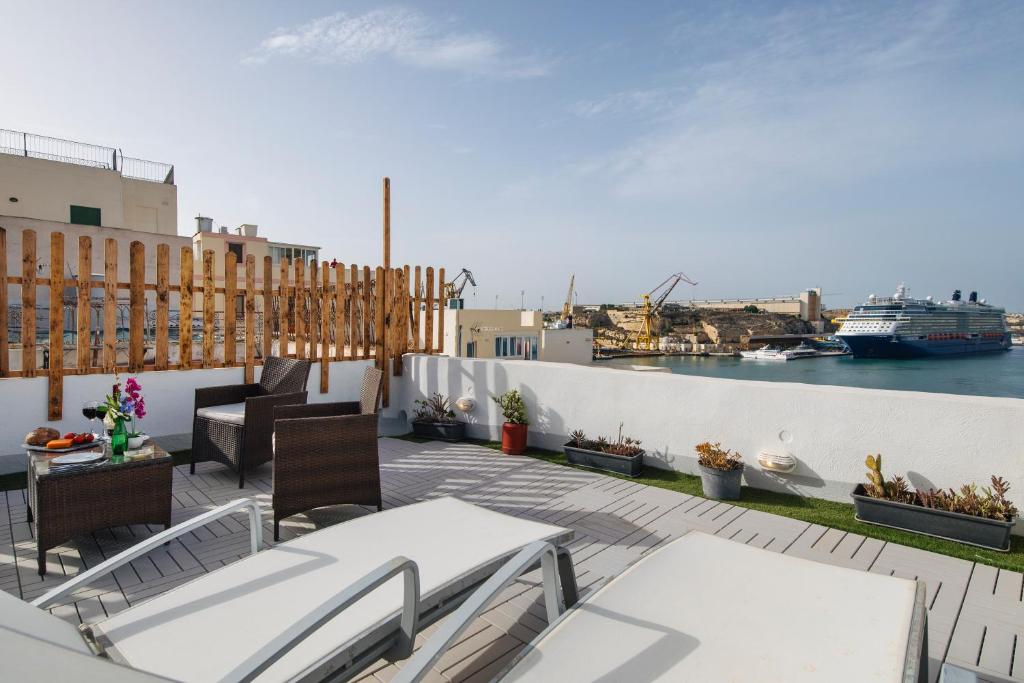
[976, 614]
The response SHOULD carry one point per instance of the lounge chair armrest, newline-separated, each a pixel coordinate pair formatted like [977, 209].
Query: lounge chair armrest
[140, 549]
[326, 611]
[223, 395]
[417, 668]
[289, 412]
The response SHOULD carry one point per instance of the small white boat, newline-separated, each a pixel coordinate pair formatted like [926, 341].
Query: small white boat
[764, 353]
[805, 350]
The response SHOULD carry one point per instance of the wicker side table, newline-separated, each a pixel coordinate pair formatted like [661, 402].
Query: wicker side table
[68, 502]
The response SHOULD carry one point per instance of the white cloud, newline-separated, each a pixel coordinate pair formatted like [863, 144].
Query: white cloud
[404, 35]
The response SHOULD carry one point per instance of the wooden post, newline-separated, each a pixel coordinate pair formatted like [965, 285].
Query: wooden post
[325, 323]
[230, 318]
[84, 330]
[250, 318]
[163, 300]
[282, 311]
[185, 310]
[441, 303]
[137, 306]
[56, 369]
[209, 308]
[314, 311]
[339, 311]
[110, 305]
[268, 306]
[387, 224]
[350, 296]
[416, 301]
[300, 310]
[366, 311]
[428, 325]
[28, 303]
[5, 360]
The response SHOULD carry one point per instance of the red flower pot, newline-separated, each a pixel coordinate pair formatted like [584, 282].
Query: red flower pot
[513, 438]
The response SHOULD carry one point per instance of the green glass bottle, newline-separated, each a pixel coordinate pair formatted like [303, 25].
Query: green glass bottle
[118, 441]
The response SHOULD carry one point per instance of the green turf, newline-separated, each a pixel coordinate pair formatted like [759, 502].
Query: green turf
[815, 510]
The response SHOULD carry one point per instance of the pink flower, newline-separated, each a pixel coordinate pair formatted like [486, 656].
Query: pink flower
[140, 408]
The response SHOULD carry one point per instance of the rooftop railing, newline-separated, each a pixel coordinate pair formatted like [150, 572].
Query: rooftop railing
[35, 146]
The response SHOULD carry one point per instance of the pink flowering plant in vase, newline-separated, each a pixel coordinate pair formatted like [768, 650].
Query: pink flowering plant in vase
[126, 404]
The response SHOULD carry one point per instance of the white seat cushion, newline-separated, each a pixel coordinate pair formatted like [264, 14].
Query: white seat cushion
[32, 621]
[231, 412]
[708, 609]
[226, 616]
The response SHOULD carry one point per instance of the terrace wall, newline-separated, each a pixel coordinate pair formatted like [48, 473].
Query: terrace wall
[939, 440]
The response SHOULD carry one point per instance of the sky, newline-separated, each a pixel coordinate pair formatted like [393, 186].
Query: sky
[761, 148]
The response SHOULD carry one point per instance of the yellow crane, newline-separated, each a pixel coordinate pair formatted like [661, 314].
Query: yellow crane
[646, 337]
[567, 306]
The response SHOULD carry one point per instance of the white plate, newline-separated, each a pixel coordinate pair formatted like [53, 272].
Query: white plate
[77, 458]
[73, 447]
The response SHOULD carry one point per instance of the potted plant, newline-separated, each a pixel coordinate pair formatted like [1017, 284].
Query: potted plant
[721, 471]
[514, 431]
[622, 456]
[434, 418]
[122, 407]
[977, 517]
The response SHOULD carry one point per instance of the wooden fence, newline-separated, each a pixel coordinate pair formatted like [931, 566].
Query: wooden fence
[324, 311]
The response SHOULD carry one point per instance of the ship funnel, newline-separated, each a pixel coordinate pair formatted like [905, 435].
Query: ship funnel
[973, 298]
[956, 295]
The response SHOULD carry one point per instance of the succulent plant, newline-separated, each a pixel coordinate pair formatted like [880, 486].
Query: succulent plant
[713, 456]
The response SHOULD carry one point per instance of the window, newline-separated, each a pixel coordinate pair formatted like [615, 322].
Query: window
[85, 215]
[237, 248]
[516, 347]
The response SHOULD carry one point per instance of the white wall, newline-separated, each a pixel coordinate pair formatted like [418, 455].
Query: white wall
[169, 396]
[935, 439]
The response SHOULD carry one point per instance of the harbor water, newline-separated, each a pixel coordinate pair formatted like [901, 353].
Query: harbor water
[989, 374]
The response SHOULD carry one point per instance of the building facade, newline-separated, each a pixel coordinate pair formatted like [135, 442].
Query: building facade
[512, 334]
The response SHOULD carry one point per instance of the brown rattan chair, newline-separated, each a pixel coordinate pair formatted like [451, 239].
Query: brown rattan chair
[234, 424]
[326, 453]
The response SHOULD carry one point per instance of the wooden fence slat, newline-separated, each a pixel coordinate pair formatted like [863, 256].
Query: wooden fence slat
[350, 296]
[163, 301]
[268, 306]
[282, 311]
[441, 302]
[366, 311]
[5, 360]
[300, 309]
[339, 310]
[325, 321]
[28, 303]
[82, 333]
[417, 301]
[209, 308]
[428, 324]
[379, 357]
[230, 312]
[314, 312]
[399, 336]
[406, 312]
[136, 306]
[110, 305]
[250, 318]
[185, 310]
[55, 393]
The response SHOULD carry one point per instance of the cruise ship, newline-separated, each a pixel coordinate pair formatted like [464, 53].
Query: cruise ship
[902, 327]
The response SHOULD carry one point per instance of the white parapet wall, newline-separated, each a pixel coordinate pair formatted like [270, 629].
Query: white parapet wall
[938, 440]
[170, 397]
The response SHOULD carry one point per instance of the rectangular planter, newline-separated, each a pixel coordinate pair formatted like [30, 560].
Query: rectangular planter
[951, 526]
[631, 466]
[441, 431]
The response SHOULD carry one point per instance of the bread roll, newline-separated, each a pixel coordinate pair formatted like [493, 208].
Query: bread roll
[40, 436]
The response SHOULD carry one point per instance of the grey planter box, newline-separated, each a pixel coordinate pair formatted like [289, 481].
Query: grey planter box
[720, 484]
[951, 526]
[629, 465]
[441, 431]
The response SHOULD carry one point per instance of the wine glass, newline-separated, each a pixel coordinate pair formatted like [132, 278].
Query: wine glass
[101, 414]
[90, 412]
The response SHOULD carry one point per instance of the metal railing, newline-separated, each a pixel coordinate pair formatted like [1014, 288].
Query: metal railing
[36, 146]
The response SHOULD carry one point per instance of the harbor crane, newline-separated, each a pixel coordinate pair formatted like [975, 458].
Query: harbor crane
[646, 337]
[453, 289]
[567, 306]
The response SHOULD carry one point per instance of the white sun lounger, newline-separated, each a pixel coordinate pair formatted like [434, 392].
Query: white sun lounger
[707, 609]
[276, 615]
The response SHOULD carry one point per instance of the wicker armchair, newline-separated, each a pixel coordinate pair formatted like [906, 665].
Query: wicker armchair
[326, 453]
[234, 424]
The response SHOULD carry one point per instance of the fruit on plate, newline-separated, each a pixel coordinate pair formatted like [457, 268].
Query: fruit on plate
[69, 435]
[57, 444]
[40, 436]
[84, 437]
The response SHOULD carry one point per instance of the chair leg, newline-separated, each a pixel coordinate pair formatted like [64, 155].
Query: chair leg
[567, 577]
[191, 465]
[277, 530]
[241, 478]
[42, 562]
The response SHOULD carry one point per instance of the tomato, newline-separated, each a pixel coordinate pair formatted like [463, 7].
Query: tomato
[79, 438]
[89, 437]
[69, 435]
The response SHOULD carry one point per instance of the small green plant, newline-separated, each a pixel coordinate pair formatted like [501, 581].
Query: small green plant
[435, 409]
[623, 445]
[512, 407]
[713, 456]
